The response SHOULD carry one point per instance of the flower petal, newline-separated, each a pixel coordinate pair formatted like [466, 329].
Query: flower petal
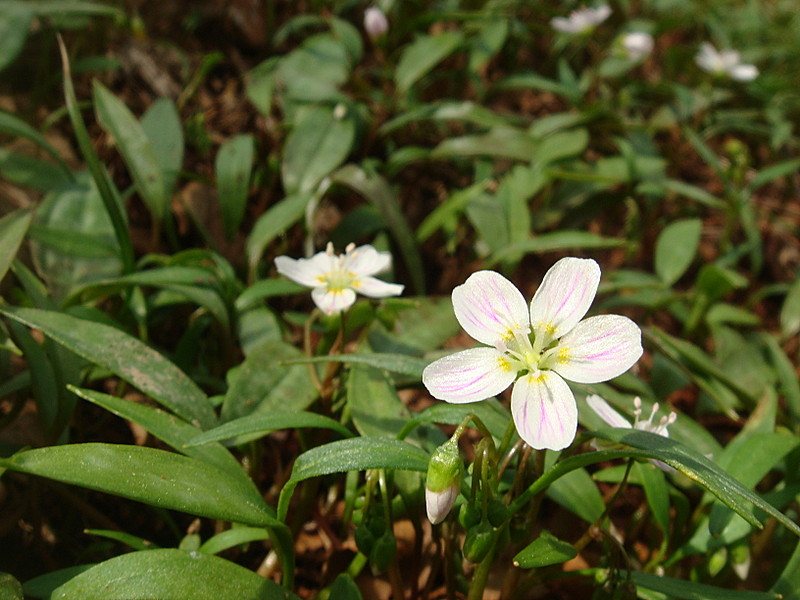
[743, 72]
[365, 260]
[565, 296]
[305, 271]
[544, 411]
[331, 301]
[469, 375]
[375, 288]
[605, 412]
[490, 308]
[598, 349]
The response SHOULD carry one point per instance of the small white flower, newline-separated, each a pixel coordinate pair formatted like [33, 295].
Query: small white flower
[637, 45]
[337, 278]
[535, 348]
[375, 22]
[581, 21]
[724, 63]
[613, 418]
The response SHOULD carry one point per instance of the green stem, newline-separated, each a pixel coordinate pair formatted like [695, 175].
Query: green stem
[481, 575]
[590, 532]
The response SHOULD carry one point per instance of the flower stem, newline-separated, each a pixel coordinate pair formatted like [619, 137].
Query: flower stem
[591, 531]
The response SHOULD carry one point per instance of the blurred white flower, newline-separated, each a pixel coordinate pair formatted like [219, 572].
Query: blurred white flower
[613, 418]
[375, 22]
[581, 21]
[335, 279]
[724, 63]
[637, 45]
[535, 348]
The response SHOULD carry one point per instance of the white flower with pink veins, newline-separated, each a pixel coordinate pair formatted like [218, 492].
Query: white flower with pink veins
[535, 348]
[335, 279]
[581, 21]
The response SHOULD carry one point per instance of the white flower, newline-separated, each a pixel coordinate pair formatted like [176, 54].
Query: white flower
[375, 22]
[535, 348]
[337, 278]
[637, 45]
[613, 418]
[438, 504]
[724, 63]
[581, 21]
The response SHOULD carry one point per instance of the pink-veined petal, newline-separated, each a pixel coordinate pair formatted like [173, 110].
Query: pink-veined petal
[565, 296]
[605, 412]
[490, 308]
[366, 260]
[304, 271]
[469, 375]
[375, 288]
[438, 504]
[544, 411]
[333, 301]
[598, 349]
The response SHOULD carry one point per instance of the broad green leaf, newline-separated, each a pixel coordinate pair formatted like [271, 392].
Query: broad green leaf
[162, 126]
[151, 476]
[275, 221]
[381, 195]
[545, 550]
[556, 240]
[767, 174]
[72, 239]
[261, 384]
[353, 454]
[785, 373]
[344, 588]
[424, 53]
[314, 71]
[135, 148]
[561, 144]
[259, 425]
[170, 574]
[576, 492]
[373, 402]
[10, 588]
[489, 39]
[34, 173]
[125, 356]
[490, 221]
[691, 590]
[319, 141]
[166, 427]
[449, 210]
[491, 413]
[43, 585]
[445, 111]
[267, 288]
[12, 231]
[676, 247]
[15, 23]
[420, 329]
[233, 165]
[395, 363]
[233, 537]
[692, 192]
[498, 142]
[790, 311]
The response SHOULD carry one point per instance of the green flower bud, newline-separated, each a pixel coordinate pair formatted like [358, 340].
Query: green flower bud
[497, 513]
[469, 515]
[383, 552]
[443, 481]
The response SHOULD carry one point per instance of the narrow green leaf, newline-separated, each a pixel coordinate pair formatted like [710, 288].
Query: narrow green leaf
[155, 477]
[108, 192]
[233, 165]
[788, 583]
[170, 573]
[125, 356]
[790, 311]
[493, 415]
[16, 127]
[353, 454]
[424, 53]
[420, 329]
[576, 492]
[135, 148]
[133, 541]
[233, 537]
[12, 231]
[545, 550]
[499, 142]
[379, 193]
[444, 111]
[35, 173]
[166, 427]
[262, 424]
[556, 240]
[676, 247]
[373, 402]
[657, 493]
[395, 363]
[691, 590]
